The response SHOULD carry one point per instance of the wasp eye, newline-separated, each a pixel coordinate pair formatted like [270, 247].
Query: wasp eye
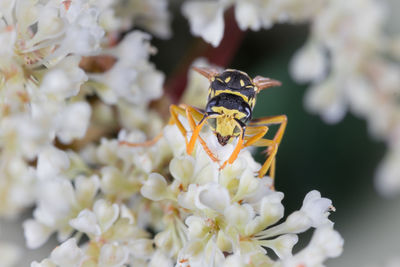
[213, 123]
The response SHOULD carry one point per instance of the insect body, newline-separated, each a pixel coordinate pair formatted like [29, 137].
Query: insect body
[231, 99]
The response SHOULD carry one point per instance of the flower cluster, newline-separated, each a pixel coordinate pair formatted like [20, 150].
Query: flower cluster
[206, 17]
[201, 216]
[73, 72]
[45, 78]
[350, 61]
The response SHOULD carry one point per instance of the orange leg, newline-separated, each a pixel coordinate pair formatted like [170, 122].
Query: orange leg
[191, 114]
[236, 151]
[146, 143]
[279, 119]
[256, 140]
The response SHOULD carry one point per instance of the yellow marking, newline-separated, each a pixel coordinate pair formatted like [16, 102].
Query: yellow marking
[231, 113]
[219, 79]
[252, 102]
[226, 123]
[212, 78]
[210, 92]
[245, 98]
[241, 83]
[227, 79]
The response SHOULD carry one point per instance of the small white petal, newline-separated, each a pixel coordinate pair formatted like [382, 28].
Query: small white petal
[56, 199]
[69, 127]
[86, 189]
[187, 199]
[43, 263]
[196, 227]
[51, 162]
[155, 188]
[86, 222]
[246, 16]
[316, 208]
[206, 20]
[234, 260]
[297, 222]
[239, 215]
[282, 245]
[309, 64]
[328, 100]
[142, 248]
[106, 213]
[159, 259]
[328, 240]
[113, 255]
[36, 234]
[212, 196]
[182, 169]
[68, 254]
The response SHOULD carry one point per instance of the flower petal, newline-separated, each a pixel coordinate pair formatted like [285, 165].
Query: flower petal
[206, 20]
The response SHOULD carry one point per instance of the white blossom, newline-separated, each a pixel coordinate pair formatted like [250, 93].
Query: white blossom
[73, 72]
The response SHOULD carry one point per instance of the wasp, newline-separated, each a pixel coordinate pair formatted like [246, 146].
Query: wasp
[231, 100]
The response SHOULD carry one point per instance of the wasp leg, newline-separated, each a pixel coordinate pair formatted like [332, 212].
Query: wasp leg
[272, 145]
[174, 111]
[279, 119]
[191, 114]
[144, 144]
[237, 149]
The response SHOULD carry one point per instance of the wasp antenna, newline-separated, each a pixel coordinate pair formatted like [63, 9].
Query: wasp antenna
[263, 83]
[209, 73]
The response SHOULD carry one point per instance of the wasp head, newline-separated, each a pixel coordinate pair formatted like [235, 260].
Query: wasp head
[222, 140]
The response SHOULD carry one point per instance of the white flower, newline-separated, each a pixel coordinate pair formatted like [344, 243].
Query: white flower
[387, 177]
[132, 78]
[309, 64]
[16, 181]
[326, 99]
[64, 79]
[206, 17]
[152, 15]
[58, 202]
[206, 20]
[113, 255]
[325, 243]
[97, 221]
[68, 254]
[317, 208]
[51, 162]
[155, 188]
[69, 127]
